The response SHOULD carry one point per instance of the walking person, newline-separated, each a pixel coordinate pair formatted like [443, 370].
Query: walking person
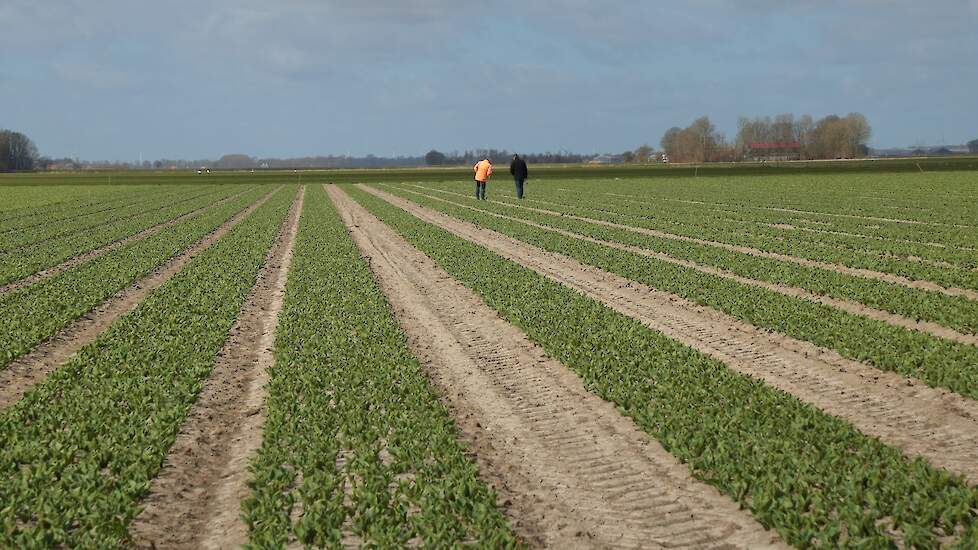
[483, 169]
[518, 169]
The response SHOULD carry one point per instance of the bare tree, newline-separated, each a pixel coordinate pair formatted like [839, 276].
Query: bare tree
[17, 151]
[857, 135]
[803, 135]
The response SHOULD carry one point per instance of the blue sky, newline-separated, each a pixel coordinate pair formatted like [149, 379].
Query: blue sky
[110, 79]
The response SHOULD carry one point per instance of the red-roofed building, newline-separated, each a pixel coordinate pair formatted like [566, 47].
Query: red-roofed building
[774, 150]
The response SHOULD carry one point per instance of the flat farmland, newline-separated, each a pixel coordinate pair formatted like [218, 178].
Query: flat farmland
[615, 361]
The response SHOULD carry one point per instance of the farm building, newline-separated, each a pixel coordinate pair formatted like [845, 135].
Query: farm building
[774, 150]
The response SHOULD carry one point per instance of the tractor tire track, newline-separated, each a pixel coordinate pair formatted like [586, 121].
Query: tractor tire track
[102, 250]
[856, 308]
[23, 373]
[194, 501]
[936, 425]
[845, 270]
[576, 472]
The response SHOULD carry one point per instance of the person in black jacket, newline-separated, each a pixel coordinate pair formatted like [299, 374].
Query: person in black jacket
[518, 169]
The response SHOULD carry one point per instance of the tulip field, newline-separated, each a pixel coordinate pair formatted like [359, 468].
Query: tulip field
[640, 360]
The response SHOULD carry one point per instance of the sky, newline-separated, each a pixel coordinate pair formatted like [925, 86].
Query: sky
[115, 79]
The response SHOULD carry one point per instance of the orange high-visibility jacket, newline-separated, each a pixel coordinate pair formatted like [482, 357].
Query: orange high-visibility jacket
[483, 169]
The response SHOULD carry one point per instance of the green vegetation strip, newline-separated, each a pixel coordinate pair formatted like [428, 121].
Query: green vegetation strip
[135, 205]
[16, 264]
[955, 312]
[873, 254]
[354, 436]
[938, 362]
[37, 312]
[845, 210]
[870, 253]
[47, 204]
[79, 450]
[812, 477]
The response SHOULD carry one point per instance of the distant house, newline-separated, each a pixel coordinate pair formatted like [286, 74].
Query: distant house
[607, 159]
[774, 150]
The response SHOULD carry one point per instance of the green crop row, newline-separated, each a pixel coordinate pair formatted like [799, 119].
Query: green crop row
[849, 251]
[756, 225]
[38, 235]
[957, 312]
[37, 312]
[812, 477]
[42, 229]
[33, 199]
[760, 208]
[938, 199]
[16, 264]
[937, 362]
[30, 206]
[354, 436]
[80, 449]
[116, 214]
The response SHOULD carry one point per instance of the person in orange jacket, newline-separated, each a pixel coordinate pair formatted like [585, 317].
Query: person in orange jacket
[483, 169]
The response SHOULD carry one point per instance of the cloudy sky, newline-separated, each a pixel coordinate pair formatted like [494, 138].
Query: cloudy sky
[110, 79]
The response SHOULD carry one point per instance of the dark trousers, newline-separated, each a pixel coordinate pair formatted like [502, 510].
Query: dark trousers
[480, 190]
[519, 187]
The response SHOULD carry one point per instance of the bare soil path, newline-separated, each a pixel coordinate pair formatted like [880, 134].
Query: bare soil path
[838, 268]
[195, 500]
[856, 308]
[937, 425]
[21, 374]
[102, 250]
[575, 472]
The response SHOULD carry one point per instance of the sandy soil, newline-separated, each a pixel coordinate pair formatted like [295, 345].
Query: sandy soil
[856, 272]
[195, 500]
[21, 374]
[937, 425]
[102, 250]
[570, 470]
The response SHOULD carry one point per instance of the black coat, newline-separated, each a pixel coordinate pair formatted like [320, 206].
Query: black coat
[518, 168]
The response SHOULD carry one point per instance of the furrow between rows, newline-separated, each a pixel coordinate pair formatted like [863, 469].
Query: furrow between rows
[855, 272]
[933, 424]
[102, 250]
[194, 502]
[559, 451]
[23, 373]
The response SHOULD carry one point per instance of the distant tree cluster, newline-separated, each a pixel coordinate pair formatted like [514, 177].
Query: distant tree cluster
[497, 156]
[973, 146]
[828, 138]
[642, 153]
[698, 142]
[17, 151]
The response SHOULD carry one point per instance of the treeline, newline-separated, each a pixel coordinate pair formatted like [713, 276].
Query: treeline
[497, 156]
[243, 162]
[804, 138]
[17, 151]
